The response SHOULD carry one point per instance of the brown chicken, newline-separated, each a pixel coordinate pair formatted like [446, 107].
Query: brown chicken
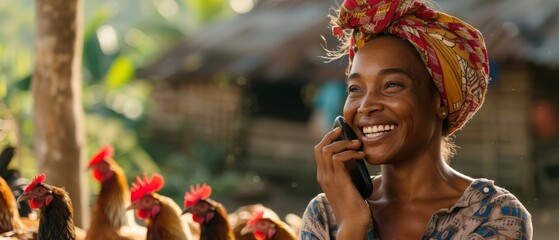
[240, 217]
[267, 227]
[161, 214]
[15, 181]
[11, 225]
[211, 215]
[56, 221]
[109, 218]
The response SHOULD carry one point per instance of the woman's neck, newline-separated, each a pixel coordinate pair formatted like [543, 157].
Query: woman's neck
[422, 178]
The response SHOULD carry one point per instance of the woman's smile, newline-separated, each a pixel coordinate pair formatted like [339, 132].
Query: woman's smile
[376, 132]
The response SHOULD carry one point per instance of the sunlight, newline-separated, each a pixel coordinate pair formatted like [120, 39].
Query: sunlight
[134, 37]
[129, 107]
[241, 6]
[107, 39]
[133, 109]
[167, 8]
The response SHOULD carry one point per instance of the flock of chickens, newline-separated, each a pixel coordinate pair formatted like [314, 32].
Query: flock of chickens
[112, 215]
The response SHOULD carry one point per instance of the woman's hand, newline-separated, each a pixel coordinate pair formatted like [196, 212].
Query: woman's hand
[353, 216]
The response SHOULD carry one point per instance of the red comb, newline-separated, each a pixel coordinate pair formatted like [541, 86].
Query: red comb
[106, 152]
[257, 216]
[196, 194]
[144, 186]
[37, 180]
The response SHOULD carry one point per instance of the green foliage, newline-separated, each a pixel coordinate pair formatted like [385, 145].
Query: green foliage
[120, 72]
[208, 10]
[115, 104]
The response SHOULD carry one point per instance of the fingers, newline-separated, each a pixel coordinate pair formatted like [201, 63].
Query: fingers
[331, 156]
[333, 177]
[322, 156]
[339, 160]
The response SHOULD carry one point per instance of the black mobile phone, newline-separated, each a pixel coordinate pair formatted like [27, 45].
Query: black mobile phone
[357, 169]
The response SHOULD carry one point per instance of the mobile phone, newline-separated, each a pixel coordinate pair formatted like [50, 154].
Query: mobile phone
[357, 169]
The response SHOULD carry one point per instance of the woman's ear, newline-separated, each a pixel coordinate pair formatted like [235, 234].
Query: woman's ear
[442, 111]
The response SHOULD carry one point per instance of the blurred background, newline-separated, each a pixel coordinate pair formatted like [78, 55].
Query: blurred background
[234, 93]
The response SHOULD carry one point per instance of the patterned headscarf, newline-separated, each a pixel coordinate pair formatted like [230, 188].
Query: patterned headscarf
[453, 51]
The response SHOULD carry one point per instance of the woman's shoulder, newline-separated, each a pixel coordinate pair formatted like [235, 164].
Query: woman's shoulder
[484, 211]
[486, 191]
[319, 210]
[494, 210]
[318, 219]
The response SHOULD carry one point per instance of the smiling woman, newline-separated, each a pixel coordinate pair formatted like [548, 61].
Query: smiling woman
[415, 77]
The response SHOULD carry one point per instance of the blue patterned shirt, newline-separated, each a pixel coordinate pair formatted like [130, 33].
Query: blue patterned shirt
[484, 211]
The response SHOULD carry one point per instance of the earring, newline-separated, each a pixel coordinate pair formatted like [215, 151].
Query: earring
[444, 114]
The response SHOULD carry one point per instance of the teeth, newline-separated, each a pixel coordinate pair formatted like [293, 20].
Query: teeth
[377, 129]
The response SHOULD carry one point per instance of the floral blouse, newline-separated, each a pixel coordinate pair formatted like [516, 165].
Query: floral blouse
[484, 211]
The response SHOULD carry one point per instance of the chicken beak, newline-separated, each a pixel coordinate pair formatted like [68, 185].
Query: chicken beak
[131, 207]
[24, 196]
[247, 229]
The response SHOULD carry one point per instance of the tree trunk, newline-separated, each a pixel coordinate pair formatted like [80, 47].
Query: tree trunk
[57, 106]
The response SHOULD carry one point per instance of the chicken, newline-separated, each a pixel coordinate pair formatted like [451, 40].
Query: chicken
[294, 221]
[161, 214]
[211, 215]
[11, 225]
[268, 227]
[239, 218]
[56, 221]
[109, 218]
[14, 180]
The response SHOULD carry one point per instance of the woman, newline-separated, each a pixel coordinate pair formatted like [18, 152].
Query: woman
[415, 77]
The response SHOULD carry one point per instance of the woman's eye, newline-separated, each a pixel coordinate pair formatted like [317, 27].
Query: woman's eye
[394, 84]
[352, 89]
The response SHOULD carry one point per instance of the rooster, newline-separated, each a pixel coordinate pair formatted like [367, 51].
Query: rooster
[161, 214]
[109, 218]
[56, 222]
[268, 227]
[211, 215]
[11, 224]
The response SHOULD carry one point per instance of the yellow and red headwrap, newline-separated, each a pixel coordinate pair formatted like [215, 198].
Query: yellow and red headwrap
[453, 51]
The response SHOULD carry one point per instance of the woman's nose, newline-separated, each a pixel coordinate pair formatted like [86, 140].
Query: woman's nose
[369, 104]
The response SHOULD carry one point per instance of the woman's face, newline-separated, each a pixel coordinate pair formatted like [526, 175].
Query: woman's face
[391, 103]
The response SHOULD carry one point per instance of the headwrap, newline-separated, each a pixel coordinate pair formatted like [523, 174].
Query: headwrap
[453, 51]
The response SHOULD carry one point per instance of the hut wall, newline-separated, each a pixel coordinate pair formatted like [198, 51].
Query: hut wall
[280, 149]
[197, 111]
[497, 142]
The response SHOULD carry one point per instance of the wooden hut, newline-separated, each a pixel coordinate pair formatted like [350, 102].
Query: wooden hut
[243, 84]
[501, 142]
[240, 83]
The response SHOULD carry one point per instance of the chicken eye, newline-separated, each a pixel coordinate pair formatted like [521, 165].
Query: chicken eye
[40, 191]
[202, 207]
[147, 200]
[262, 224]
